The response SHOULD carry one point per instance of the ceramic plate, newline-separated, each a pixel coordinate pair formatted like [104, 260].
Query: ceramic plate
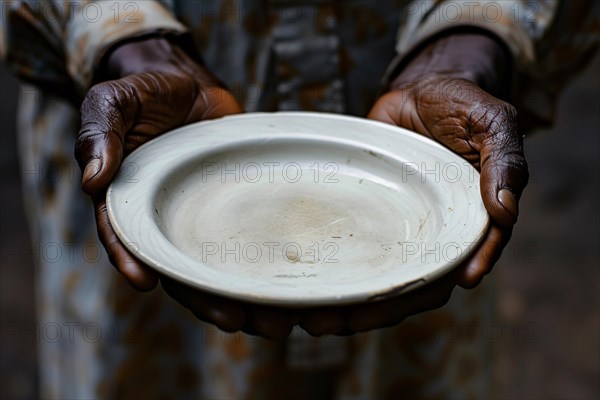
[297, 209]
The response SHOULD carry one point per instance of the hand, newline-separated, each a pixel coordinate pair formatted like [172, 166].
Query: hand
[277, 322]
[158, 88]
[440, 95]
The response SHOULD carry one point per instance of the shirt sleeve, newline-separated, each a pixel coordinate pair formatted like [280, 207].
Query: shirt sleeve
[550, 42]
[56, 43]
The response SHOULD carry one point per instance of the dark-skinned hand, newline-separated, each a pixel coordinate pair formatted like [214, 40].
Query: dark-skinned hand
[440, 95]
[119, 115]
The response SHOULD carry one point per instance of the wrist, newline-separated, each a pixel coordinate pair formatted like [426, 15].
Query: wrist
[472, 56]
[152, 54]
[138, 56]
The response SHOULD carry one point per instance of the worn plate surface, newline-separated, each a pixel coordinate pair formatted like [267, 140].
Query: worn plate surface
[297, 209]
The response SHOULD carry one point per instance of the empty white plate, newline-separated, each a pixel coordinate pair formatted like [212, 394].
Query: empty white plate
[297, 209]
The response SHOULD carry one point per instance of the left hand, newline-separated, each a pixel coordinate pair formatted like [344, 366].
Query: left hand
[454, 110]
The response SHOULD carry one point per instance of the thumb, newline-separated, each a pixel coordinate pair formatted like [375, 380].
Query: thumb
[107, 113]
[504, 172]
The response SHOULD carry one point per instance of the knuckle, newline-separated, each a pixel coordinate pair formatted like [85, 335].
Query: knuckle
[507, 116]
[97, 91]
[107, 99]
[98, 96]
[501, 122]
[103, 112]
[504, 113]
[507, 110]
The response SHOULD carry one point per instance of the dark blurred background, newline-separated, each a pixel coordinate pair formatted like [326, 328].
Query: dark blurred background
[547, 282]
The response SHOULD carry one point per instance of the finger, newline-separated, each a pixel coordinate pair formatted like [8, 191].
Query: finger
[227, 315]
[107, 113]
[384, 109]
[390, 312]
[322, 322]
[213, 102]
[481, 262]
[397, 108]
[504, 172]
[271, 323]
[138, 274]
[376, 317]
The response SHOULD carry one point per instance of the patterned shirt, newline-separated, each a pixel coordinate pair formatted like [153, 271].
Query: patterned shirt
[325, 55]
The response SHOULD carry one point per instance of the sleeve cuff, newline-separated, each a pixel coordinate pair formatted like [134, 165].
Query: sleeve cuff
[97, 26]
[499, 18]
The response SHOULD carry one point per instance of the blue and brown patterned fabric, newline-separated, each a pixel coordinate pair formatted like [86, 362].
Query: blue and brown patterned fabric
[323, 55]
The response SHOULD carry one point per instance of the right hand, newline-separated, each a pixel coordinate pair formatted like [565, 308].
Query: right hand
[117, 116]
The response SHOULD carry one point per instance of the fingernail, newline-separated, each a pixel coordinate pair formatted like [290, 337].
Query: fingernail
[509, 202]
[91, 170]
